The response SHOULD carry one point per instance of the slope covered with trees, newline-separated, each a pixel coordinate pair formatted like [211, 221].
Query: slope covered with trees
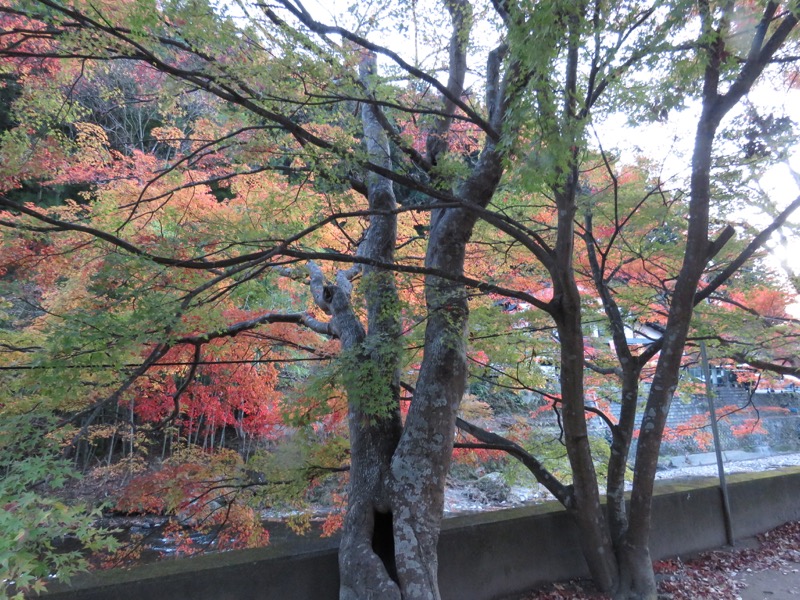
[304, 226]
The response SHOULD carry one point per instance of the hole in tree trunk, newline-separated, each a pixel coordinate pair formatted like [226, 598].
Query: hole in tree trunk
[383, 542]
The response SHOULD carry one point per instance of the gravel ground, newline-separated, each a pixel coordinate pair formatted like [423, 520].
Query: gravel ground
[466, 497]
[763, 463]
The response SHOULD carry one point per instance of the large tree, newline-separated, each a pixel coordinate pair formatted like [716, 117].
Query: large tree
[397, 471]
[649, 259]
[312, 102]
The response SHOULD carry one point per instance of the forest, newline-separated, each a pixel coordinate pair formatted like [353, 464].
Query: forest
[253, 254]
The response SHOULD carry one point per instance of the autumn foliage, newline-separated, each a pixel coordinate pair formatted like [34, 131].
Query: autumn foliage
[165, 217]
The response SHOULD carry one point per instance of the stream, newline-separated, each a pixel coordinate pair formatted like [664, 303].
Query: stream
[460, 498]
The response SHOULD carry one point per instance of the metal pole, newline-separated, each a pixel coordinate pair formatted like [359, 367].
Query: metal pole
[723, 486]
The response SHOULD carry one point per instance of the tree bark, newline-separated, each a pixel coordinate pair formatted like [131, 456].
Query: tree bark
[589, 514]
[630, 368]
[366, 553]
[637, 575]
[366, 560]
[422, 459]
[410, 496]
[566, 311]
[639, 584]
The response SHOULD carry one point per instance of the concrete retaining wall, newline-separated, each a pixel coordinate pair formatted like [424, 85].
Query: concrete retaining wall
[481, 557]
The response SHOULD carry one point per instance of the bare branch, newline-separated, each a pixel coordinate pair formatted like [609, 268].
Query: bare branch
[563, 494]
[446, 91]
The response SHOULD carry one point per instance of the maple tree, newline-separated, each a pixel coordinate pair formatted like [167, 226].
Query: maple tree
[640, 284]
[35, 525]
[264, 161]
[629, 289]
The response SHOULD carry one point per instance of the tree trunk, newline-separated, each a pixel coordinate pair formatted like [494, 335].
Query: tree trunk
[595, 541]
[366, 561]
[566, 311]
[665, 381]
[629, 370]
[422, 459]
[637, 580]
[618, 461]
[637, 571]
[366, 553]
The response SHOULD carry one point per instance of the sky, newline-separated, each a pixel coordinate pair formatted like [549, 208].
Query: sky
[668, 143]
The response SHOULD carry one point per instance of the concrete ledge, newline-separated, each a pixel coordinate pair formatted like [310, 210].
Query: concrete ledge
[481, 557]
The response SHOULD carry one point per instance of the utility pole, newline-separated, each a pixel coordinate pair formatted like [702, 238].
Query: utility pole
[723, 486]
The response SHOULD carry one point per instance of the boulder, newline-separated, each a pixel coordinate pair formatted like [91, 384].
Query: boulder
[494, 487]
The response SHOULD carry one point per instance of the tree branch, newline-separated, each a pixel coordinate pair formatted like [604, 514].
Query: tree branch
[564, 494]
[446, 91]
